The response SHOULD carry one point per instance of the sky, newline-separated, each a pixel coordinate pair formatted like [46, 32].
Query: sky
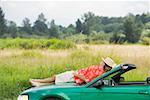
[66, 12]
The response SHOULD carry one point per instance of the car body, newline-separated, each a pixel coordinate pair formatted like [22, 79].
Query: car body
[108, 86]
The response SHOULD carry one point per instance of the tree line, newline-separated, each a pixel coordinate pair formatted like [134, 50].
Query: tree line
[130, 28]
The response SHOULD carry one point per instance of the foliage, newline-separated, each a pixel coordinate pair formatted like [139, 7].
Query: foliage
[79, 26]
[78, 38]
[117, 38]
[59, 44]
[113, 27]
[146, 30]
[94, 38]
[70, 30]
[145, 40]
[132, 29]
[99, 38]
[146, 33]
[2, 22]
[26, 26]
[12, 29]
[132, 26]
[90, 22]
[40, 25]
[35, 43]
[54, 30]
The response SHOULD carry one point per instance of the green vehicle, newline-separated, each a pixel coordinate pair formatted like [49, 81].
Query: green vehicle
[109, 86]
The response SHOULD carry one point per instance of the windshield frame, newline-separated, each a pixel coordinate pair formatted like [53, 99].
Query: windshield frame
[118, 69]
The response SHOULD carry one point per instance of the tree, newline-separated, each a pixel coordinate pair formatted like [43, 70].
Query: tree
[2, 23]
[70, 29]
[26, 26]
[12, 29]
[113, 27]
[132, 29]
[41, 18]
[105, 20]
[145, 17]
[40, 26]
[146, 30]
[117, 38]
[54, 29]
[88, 22]
[79, 26]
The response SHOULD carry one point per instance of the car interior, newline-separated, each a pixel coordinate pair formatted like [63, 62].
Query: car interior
[120, 81]
[113, 82]
[116, 79]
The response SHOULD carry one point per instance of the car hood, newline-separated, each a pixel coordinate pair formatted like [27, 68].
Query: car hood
[52, 87]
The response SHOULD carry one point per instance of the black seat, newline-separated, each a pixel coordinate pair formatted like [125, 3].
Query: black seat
[148, 80]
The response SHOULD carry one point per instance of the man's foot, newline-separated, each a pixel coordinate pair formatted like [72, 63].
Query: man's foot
[37, 84]
[35, 80]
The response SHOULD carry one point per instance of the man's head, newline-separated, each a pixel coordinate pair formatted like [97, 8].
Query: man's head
[108, 64]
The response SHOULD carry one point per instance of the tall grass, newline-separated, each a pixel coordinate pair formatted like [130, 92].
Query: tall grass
[17, 66]
[35, 43]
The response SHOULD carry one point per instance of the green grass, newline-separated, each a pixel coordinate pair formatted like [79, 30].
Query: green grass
[35, 43]
[17, 66]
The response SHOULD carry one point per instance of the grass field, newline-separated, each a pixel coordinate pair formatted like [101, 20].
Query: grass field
[17, 66]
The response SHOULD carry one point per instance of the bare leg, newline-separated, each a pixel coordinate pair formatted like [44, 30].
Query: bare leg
[46, 80]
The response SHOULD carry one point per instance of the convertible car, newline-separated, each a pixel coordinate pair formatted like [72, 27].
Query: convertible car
[109, 86]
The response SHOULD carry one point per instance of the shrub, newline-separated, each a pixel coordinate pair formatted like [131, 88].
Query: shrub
[117, 38]
[59, 44]
[101, 36]
[78, 38]
[146, 33]
[99, 42]
[145, 40]
[94, 38]
[35, 43]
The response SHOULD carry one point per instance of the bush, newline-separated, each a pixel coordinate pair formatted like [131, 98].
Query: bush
[78, 38]
[145, 40]
[146, 33]
[59, 44]
[99, 42]
[35, 43]
[101, 36]
[93, 38]
[118, 38]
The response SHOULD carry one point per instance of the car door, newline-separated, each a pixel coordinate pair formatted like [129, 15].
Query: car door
[117, 93]
[125, 93]
[91, 93]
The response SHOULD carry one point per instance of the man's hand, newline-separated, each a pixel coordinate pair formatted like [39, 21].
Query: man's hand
[80, 77]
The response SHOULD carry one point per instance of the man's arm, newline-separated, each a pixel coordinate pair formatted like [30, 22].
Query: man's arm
[80, 77]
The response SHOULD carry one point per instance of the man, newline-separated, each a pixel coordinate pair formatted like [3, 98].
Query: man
[80, 76]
